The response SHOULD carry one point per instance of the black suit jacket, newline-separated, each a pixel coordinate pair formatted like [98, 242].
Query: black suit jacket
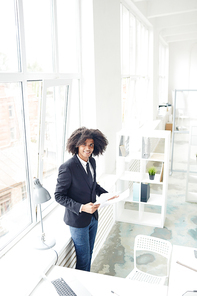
[73, 190]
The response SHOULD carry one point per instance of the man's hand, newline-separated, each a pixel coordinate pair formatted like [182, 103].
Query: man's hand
[115, 196]
[90, 208]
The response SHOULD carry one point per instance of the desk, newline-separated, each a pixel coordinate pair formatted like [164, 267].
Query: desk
[101, 285]
[182, 279]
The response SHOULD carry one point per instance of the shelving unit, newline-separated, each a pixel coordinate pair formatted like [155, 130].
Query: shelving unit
[142, 150]
[191, 180]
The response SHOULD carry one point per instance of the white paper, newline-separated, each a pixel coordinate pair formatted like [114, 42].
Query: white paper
[104, 201]
[104, 197]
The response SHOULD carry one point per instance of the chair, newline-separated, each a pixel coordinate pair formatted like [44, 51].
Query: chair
[155, 246]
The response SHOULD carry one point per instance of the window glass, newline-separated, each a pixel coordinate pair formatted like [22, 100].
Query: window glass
[54, 135]
[74, 116]
[15, 212]
[8, 48]
[145, 51]
[67, 24]
[34, 92]
[142, 101]
[139, 49]
[132, 33]
[135, 66]
[38, 34]
[125, 41]
[163, 70]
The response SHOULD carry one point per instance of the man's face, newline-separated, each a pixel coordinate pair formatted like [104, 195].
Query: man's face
[85, 150]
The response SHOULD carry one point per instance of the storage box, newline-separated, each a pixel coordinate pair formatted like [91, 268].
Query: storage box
[145, 192]
[136, 189]
[145, 147]
[169, 126]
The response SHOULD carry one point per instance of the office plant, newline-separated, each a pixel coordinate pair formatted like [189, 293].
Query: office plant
[152, 171]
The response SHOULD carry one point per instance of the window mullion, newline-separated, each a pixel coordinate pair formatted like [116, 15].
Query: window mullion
[54, 37]
[21, 37]
[29, 178]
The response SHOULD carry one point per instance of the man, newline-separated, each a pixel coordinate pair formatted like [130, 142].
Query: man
[76, 190]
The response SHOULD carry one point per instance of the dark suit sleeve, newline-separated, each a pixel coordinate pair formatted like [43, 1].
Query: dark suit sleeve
[100, 190]
[62, 188]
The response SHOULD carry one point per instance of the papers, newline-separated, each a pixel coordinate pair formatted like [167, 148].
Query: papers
[104, 201]
[104, 197]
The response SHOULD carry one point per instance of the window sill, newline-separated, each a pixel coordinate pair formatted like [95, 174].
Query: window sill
[22, 267]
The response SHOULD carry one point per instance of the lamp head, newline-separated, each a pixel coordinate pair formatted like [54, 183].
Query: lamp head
[40, 194]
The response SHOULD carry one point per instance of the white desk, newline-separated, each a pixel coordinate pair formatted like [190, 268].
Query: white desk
[182, 279]
[101, 285]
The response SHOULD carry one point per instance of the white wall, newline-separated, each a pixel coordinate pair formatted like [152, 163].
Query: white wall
[107, 73]
[101, 73]
[182, 66]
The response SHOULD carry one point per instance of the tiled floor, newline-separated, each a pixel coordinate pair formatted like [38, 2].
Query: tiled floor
[116, 256]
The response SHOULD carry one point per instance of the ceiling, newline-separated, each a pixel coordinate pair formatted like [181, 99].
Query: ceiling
[176, 20]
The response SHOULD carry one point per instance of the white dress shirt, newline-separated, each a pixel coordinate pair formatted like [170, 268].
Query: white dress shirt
[83, 162]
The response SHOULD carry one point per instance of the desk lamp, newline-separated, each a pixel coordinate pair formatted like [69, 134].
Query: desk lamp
[41, 195]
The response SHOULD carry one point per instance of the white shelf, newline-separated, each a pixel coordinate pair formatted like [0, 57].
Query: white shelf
[151, 219]
[134, 170]
[155, 199]
[130, 176]
[136, 177]
[130, 216]
[145, 179]
[133, 155]
[156, 157]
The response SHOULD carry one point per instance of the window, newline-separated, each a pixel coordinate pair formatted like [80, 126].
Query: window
[5, 201]
[135, 49]
[38, 35]
[67, 23]
[9, 46]
[10, 111]
[34, 118]
[15, 211]
[163, 73]
[12, 133]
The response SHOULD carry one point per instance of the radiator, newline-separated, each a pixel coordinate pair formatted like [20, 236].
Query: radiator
[67, 257]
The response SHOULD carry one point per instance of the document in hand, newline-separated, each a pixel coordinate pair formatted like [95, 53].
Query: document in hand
[104, 199]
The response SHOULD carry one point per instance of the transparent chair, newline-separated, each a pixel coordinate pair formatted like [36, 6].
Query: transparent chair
[154, 246]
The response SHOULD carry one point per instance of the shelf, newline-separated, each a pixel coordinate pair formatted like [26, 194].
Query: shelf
[145, 179]
[130, 176]
[130, 216]
[134, 171]
[133, 155]
[156, 157]
[155, 199]
[136, 177]
[151, 219]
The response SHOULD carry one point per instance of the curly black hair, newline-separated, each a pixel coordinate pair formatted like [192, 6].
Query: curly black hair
[80, 135]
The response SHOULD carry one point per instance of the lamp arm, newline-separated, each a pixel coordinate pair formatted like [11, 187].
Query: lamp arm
[41, 219]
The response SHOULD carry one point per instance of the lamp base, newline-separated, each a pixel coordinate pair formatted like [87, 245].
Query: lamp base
[44, 244]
